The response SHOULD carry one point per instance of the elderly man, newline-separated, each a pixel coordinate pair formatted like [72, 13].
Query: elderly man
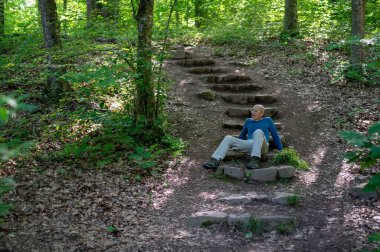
[253, 139]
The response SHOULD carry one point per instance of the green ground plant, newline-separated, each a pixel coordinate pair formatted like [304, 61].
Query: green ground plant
[294, 200]
[366, 153]
[285, 229]
[253, 227]
[290, 156]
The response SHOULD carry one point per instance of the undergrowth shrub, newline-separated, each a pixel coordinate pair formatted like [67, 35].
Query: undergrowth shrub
[290, 156]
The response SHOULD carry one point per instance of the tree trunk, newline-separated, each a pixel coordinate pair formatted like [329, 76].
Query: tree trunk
[64, 6]
[2, 17]
[198, 14]
[91, 11]
[50, 23]
[145, 102]
[51, 31]
[291, 18]
[111, 9]
[357, 31]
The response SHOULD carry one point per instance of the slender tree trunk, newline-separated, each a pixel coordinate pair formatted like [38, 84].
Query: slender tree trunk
[145, 102]
[198, 13]
[91, 11]
[357, 31]
[50, 23]
[51, 31]
[291, 18]
[111, 9]
[2, 17]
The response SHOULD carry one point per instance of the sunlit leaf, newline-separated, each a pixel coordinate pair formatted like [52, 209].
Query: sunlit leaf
[373, 184]
[375, 237]
[354, 138]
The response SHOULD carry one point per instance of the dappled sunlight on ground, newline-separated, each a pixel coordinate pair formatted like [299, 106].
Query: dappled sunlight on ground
[344, 177]
[310, 177]
[175, 176]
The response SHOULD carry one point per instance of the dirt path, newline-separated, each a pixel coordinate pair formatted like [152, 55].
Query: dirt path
[58, 213]
[329, 219]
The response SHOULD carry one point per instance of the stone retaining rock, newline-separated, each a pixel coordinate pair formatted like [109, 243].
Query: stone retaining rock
[234, 172]
[271, 222]
[238, 219]
[286, 171]
[236, 199]
[258, 197]
[228, 78]
[263, 175]
[204, 219]
[282, 198]
[195, 62]
[358, 193]
[243, 112]
[207, 95]
[236, 87]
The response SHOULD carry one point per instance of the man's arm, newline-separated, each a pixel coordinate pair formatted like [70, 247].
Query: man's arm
[274, 133]
[244, 131]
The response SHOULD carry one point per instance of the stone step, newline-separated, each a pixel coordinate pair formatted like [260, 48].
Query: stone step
[268, 174]
[228, 78]
[239, 125]
[180, 54]
[236, 87]
[245, 112]
[267, 223]
[248, 99]
[208, 70]
[195, 62]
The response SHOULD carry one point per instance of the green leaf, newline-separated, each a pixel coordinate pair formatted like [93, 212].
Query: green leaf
[375, 237]
[373, 184]
[374, 129]
[112, 229]
[375, 151]
[4, 208]
[249, 235]
[352, 156]
[354, 138]
[3, 115]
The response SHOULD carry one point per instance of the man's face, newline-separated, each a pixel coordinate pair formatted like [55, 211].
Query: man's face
[257, 113]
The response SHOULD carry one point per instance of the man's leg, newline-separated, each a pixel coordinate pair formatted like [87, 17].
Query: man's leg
[260, 147]
[231, 142]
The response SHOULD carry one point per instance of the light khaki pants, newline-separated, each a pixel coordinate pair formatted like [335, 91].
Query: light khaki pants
[256, 146]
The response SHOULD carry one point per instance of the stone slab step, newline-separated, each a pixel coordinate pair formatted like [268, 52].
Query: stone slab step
[228, 78]
[180, 54]
[208, 70]
[248, 99]
[239, 125]
[204, 219]
[236, 87]
[269, 174]
[195, 62]
[267, 222]
[244, 112]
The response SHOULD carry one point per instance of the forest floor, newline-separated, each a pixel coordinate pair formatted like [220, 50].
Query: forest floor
[52, 213]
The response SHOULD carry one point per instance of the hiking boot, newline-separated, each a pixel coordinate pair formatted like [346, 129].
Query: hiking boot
[253, 164]
[212, 164]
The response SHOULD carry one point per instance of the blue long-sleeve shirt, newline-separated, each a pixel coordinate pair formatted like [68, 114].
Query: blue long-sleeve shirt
[266, 125]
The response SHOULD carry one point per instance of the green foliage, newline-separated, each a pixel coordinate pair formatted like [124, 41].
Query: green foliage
[375, 237]
[290, 156]
[294, 200]
[112, 229]
[367, 146]
[285, 229]
[254, 227]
